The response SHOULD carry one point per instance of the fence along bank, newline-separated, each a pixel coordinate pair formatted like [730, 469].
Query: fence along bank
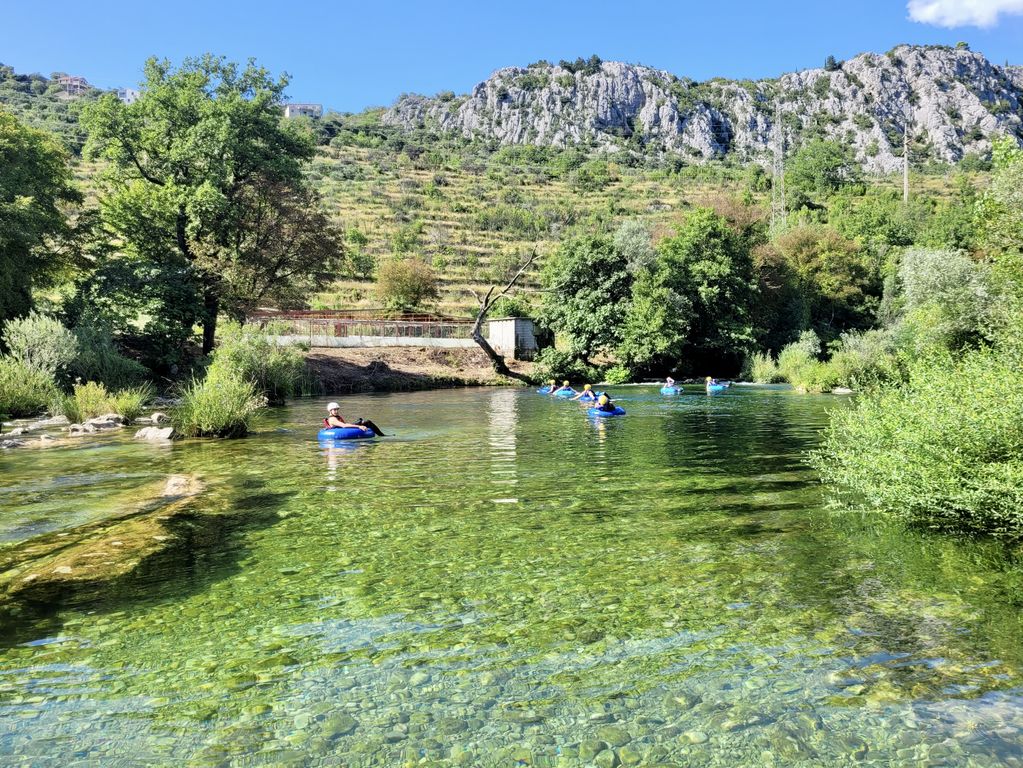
[512, 337]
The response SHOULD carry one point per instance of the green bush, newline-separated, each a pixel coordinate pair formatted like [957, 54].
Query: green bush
[221, 405]
[944, 451]
[41, 343]
[796, 360]
[552, 363]
[618, 374]
[406, 284]
[92, 399]
[761, 368]
[99, 360]
[254, 355]
[24, 391]
[865, 360]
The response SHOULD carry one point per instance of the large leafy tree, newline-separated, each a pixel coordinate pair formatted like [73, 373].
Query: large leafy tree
[587, 283]
[36, 192]
[187, 156]
[708, 267]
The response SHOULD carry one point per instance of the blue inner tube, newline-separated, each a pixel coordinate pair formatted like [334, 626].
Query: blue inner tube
[717, 387]
[618, 411]
[344, 433]
[565, 393]
[671, 390]
[543, 391]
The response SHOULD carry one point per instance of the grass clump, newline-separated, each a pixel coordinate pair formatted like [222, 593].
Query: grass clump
[41, 343]
[92, 399]
[760, 368]
[221, 405]
[253, 354]
[945, 450]
[24, 390]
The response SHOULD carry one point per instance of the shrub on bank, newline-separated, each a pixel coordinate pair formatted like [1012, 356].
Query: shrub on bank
[552, 363]
[254, 355]
[24, 390]
[760, 368]
[41, 343]
[92, 399]
[945, 450]
[221, 405]
[99, 360]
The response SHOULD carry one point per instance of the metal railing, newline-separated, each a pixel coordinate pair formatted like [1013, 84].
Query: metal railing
[341, 324]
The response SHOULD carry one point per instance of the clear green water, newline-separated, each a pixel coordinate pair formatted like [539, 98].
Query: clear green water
[508, 583]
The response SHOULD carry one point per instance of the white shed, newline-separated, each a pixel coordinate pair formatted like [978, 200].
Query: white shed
[512, 337]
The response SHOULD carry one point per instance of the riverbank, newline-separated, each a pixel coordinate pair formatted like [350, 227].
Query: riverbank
[402, 369]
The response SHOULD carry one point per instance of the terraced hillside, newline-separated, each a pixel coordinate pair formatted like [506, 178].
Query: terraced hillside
[475, 221]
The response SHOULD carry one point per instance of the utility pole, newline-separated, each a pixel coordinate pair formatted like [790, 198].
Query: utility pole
[779, 216]
[905, 157]
[905, 163]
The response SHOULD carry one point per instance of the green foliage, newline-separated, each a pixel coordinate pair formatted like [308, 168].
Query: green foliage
[835, 277]
[1000, 209]
[406, 284]
[587, 291]
[39, 102]
[92, 399]
[255, 355]
[559, 365]
[761, 369]
[618, 374]
[831, 64]
[100, 360]
[819, 169]
[36, 188]
[947, 300]
[511, 218]
[944, 451]
[708, 269]
[593, 176]
[590, 66]
[866, 360]
[24, 391]
[221, 405]
[42, 343]
[190, 163]
[799, 363]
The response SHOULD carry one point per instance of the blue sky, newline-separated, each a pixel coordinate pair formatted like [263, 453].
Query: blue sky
[348, 56]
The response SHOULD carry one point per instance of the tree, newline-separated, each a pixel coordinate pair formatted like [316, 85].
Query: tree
[834, 276]
[1000, 209]
[819, 169]
[708, 266]
[36, 193]
[405, 284]
[188, 151]
[831, 64]
[587, 286]
[284, 248]
[487, 302]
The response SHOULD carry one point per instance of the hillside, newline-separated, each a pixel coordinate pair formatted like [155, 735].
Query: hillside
[954, 100]
[473, 200]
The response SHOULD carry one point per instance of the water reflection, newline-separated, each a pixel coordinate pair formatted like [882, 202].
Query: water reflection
[502, 419]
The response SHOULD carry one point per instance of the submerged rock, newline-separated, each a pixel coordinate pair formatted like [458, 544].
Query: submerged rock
[155, 433]
[99, 552]
[11, 443]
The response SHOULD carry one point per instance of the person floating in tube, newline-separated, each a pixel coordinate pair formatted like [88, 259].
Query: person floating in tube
[604, 403]
[563, 388]
[335, 419]
[586, 394]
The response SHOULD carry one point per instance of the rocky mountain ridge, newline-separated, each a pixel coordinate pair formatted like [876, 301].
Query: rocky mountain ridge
[953, 99]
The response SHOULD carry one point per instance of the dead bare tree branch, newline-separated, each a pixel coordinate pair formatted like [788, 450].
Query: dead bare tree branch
[486, 304]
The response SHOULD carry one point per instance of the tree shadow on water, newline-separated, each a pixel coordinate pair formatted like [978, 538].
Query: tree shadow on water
[204, 546]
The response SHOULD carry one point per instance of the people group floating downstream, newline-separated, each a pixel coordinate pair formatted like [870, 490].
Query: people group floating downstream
[335, 427]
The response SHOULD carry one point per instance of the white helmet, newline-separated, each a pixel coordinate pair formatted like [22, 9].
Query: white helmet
[332, 406]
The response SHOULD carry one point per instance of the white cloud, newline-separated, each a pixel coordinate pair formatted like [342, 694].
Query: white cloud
[962, 13]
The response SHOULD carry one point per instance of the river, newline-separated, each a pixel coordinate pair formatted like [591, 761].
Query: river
[509, 582]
